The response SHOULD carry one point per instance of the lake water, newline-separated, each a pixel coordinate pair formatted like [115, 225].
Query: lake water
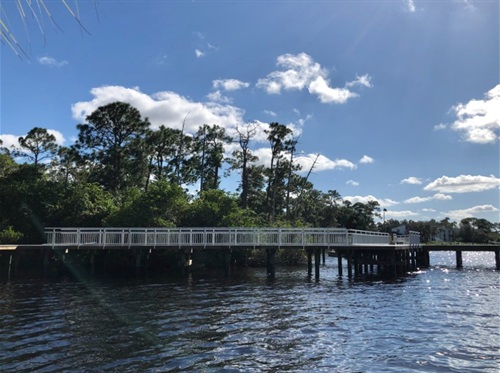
[437, 320]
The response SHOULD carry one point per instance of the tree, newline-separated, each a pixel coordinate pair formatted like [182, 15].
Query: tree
[215, 208]
[162, 205]
[7, 164]
[277, 134]
[36, 146]
[112, 144]
[169, 155]
[243, 159]
[209, 145]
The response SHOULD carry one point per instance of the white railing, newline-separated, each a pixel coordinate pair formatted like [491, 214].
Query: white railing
[218, 237]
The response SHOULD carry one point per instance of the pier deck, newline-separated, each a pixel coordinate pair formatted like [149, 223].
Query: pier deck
[364, 251]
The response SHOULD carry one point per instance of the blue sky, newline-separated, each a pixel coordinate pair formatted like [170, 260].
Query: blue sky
[400, 99]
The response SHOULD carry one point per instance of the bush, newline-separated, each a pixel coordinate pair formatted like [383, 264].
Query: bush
[9, 235]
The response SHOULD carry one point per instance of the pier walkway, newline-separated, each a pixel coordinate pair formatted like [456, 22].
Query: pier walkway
[360, 252]
[222, 237]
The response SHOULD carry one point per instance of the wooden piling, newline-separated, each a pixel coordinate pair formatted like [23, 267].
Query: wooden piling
[309, 261]
[458, 255]
[271, 261]
[227, 262]
[349, 263]
[497, 260]
[339, 263]
[317, 262]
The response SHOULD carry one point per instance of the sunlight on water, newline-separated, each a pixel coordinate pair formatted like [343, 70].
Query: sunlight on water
[437, 320]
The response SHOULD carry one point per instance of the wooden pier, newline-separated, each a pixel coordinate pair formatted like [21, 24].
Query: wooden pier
[358, 252]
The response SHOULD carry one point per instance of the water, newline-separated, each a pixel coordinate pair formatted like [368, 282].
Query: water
[440, 320]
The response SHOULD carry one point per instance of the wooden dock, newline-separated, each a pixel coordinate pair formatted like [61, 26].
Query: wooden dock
[358, 252]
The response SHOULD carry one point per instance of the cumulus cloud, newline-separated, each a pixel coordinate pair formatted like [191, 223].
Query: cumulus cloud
[366, 159]
[60, 140]
[162, 108]
[326, 94]
[12, 141]
[383, 202]
[437, 196]
[52, 62]
[229, 84]
[352, 182]
[198, 53]
[463, 184]
[322, 163]
[479, 120]
[411, 180]
[475, 211]
[9, 140]
[218, 97]
[399, 214]
[300, 72]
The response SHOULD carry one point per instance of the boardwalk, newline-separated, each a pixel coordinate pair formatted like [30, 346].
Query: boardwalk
[223, 238]
[360, 252]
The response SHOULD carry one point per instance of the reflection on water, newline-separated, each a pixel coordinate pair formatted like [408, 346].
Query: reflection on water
[437, 320]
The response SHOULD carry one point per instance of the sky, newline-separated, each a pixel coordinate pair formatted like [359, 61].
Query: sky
[398, 101]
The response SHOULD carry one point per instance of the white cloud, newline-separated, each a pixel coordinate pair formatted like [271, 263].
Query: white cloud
[363, 80]
[437, 196]
[417, 199]
[442, 197]
[440, 126]
[162, 108]
[198, 53]
[322, 163]
[399, 214]
[10, 141]
[475, 211]
[230, 84]
[58, 135]
[270, 113]
[479, 120]
[410, 6]
[366, 159]
[384, 202]
[300, 72]
[352, 182]
[326, 94]
[463, 184]
[210, 46]
[49, 61]
[411, 180]
[218, 97]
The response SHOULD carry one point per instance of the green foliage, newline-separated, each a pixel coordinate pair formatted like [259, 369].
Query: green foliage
[85, 205]
[162, 205]
[9, 236]
[213, 209]
[112, 143]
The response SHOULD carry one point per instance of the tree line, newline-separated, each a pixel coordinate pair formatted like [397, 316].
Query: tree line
[121, 173]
